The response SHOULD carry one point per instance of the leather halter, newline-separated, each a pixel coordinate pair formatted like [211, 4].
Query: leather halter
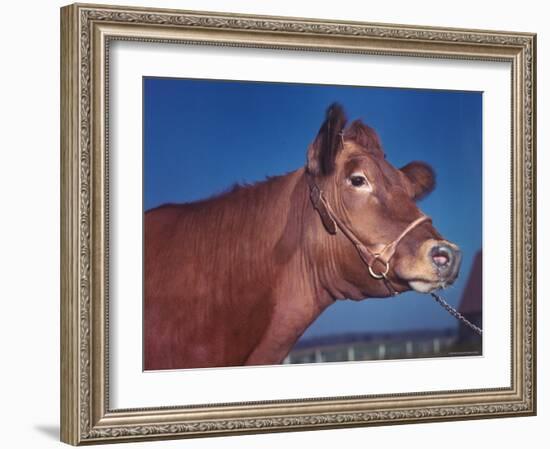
[332, 222]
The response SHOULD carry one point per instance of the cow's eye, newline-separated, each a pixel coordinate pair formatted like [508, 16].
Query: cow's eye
[359, 181]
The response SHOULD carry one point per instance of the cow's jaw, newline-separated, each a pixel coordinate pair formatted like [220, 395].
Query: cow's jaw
[426, 287]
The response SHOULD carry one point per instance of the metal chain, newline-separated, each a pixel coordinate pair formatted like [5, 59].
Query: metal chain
[456, 313]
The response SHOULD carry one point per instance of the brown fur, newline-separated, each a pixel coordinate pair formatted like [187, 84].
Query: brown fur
[364, 136]
[237, 278]
[421, 176]
[202, 260]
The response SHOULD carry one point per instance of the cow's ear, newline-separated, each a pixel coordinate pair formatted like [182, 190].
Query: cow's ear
[321, 154]
[421, 177]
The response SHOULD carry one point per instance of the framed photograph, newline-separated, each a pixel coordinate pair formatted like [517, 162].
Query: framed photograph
[280, 224]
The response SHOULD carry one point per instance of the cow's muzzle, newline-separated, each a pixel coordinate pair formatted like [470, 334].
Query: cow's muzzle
[446, 258]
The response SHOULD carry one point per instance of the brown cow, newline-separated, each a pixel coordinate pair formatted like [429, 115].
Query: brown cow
[236, 279]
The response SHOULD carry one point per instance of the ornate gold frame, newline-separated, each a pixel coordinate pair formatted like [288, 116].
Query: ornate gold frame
[86, 31]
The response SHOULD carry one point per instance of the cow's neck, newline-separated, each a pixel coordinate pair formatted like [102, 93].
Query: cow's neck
[300, 292]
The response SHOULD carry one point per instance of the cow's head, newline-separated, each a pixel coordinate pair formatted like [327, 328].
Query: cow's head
[377, 203]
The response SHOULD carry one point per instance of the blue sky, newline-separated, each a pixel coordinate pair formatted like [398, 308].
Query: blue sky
[202, 136]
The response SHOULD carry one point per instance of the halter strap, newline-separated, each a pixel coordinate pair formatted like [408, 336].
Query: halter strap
[332, 222]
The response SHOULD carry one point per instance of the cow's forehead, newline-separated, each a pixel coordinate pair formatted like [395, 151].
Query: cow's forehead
[364, 137]
[376, 165]
[353, 150]
[356, 155]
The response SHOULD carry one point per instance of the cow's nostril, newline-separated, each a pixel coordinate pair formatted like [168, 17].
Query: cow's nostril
[442, 256]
